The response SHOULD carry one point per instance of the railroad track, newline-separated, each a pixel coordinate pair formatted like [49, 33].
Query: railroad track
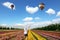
[34, 36]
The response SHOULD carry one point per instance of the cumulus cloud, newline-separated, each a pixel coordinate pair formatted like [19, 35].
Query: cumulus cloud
[58, 13]
[35, 24]
[3, 24]
[40, 24]
[8, 5]
[37, 18]
[18, 25]
[27, 19]
[43, 23]
[31, 10]
[57, 20]
[50, 11]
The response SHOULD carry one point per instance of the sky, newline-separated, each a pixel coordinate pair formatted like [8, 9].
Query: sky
[28, 11]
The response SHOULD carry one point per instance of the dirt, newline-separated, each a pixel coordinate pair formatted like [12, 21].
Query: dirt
[50, 35]
[19, 35]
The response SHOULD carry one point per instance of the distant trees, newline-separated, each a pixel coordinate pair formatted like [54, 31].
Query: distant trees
[52, 27]
[7, 28]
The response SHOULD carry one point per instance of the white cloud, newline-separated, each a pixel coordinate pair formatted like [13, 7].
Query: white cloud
[58, 13]
[27, 19]
[40, 24]
[3, 24]
[57, 20]
[50, 11]
[43, 23]
[34, 24]
[37, 18]
[31, 24]
[8, 5]
[18, 25]
[31, 10]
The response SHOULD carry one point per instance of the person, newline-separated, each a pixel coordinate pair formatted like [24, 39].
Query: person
[25, 31]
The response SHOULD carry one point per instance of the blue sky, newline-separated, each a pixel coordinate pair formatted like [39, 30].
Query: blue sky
[8, 16]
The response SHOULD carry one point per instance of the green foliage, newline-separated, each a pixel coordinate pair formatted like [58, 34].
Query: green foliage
[7, 28]
[52, 27]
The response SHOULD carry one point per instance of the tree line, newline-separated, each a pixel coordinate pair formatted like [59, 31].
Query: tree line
[52, 27]
[7, 28]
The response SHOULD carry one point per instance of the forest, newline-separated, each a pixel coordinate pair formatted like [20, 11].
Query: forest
[52, 27]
